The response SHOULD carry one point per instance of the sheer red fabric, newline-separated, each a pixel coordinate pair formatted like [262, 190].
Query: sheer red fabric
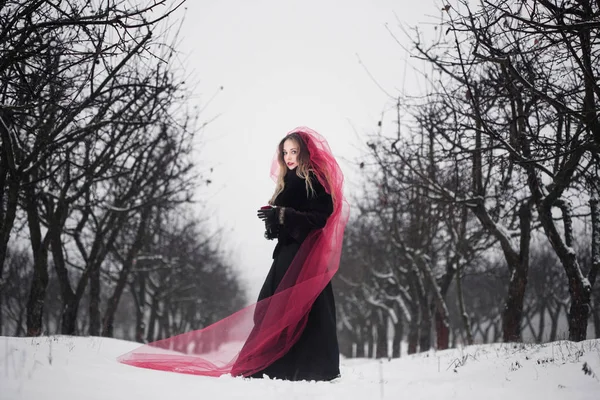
[251, 339]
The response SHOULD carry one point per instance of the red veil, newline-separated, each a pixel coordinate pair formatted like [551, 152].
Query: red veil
[255, 336]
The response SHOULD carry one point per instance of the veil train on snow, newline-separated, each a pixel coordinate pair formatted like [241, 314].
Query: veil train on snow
[255, 336]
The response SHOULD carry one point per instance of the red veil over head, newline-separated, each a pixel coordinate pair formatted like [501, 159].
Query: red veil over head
[254, 337]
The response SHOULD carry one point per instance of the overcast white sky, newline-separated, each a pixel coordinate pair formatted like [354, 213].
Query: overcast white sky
[283, 64]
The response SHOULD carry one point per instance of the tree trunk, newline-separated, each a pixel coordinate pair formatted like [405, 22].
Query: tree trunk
[497, 330]
[595, 268]
[476, 328]
[71, 307]
[415, 313]
[7, 219]
[106, 234]
[69, 301]
[113, 302]
[164, 320]
[110, 226]
[397, 340]
[139, 312]
[102, 244]
[442, 317]
[513, 308]
[94, 293]
[39, 282]
[345, 342]
[579, 311]
[382, 350]
[597, 315]
[69, 316]
[579, 287]
[368, 340]
[468, 335]
[528, 322]
[486, 332]
[425, 331]
[554, 316]
[360, 348]
[442, 329]
[9, 188]
[153, 318]
[46, 322]
[413, 333]
[19, 328]
[541, 324]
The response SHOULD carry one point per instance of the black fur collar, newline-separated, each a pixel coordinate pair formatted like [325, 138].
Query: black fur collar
[294, 192]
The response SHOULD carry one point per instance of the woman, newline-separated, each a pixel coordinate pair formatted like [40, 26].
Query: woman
[290, 332]
[300, 205]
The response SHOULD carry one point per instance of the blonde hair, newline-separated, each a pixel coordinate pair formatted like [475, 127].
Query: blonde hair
[303, 169]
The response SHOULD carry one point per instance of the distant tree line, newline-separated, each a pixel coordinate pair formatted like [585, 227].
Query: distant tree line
[481, 219]
[97, 235]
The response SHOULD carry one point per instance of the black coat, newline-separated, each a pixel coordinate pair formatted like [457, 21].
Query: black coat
[316, 354]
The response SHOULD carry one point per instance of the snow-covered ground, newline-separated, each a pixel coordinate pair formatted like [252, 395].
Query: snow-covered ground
[76, 368]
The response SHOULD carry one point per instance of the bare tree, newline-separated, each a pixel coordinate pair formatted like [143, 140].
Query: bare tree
[13, 297]
[86, 101]
[38, 41]
[546, 59]
[179, 280]
[516, 86]
[356, 285]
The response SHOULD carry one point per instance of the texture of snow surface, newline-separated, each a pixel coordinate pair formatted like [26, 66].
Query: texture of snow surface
[81, 368]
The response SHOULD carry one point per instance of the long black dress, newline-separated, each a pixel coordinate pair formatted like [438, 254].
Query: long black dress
[315, 356]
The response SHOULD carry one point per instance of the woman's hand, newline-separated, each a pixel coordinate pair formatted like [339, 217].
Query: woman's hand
[269, 215]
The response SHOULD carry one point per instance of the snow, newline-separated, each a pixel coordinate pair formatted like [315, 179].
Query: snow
[69, 368]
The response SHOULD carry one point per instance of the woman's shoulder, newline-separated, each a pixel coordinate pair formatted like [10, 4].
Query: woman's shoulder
[315, 182]
[312, 176]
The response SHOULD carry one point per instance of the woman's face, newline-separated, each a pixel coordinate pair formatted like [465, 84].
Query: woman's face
[291, 149]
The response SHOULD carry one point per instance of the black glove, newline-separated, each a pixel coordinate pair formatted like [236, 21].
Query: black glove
[270, 216]
[271, 231]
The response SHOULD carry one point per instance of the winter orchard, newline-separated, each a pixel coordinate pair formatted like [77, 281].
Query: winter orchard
[96, 177]
[482, 223]
[483, 220]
